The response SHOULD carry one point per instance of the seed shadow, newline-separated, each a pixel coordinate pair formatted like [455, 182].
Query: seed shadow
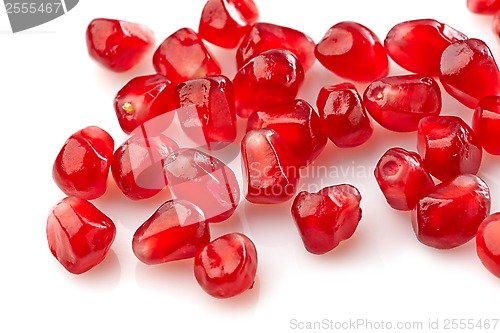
[104, 276]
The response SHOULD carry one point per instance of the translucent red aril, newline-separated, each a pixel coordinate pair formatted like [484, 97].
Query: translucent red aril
[227, 266]
[450, 213]
[399, 102]
[225, 22]
[266, 36]
[183, 56]
[354, 52]
[486, 124]
[496, 25]
[469, 72]
[118, 45]
[270, 172]
[79, 234]
[270, 78]
[298, 125]
[204, 181]
[176, 231]
[82, 166]
[488, 243]
[402, 178]
[483, 6]
[328, 217]
[448, 147]
[344, 116]
[418, 45]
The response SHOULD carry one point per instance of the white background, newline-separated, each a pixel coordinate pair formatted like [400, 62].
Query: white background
[49, 88]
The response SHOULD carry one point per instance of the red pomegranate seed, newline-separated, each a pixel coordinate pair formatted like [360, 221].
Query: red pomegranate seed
[496, 25]
[418, 45]
[79, 234]
[227, 266]
[344, 115]
[266, 36]
[225, 22]
[354, 52]
[451, 212]
[483, 6]
[328, 217]
[298, 124]
[401, 176]
[448, 147]
[269, 168]
[176, 231]
[486, 124]
[488, 243]
[183, 56]
[82, 166]
[212, 123]
[204, 181]
[469, 72]
[118, 45]
[273, 77]
[399, 102]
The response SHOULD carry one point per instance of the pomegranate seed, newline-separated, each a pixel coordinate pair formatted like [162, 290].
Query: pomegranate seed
[227, 266]
[483, 6]
[488, 243]
[273, 77]
[266, 36]
[269, 168]
[82, 166]
[205, 181]
[118, 45]
[344, 115]
[183, 56]
[496, 25]
[450, 213]
[79, 234]
[225, 22]
[448, 147]
[399, 102]
[418, 45]
[327, 217]
[348, 43]
[401, 177]
[176, 231]
[486, 124]
[298, 125]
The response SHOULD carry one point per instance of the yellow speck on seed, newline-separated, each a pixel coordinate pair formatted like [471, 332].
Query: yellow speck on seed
[380, 95]
[127, 107]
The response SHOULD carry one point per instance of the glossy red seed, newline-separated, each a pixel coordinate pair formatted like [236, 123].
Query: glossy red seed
[448, 147]
[183, 56]
[227, 266]
[488, 243]
[418, 45]
[79, 235]
[399, 102]
[344, 116]
[328, 217]
[469, 72]
[298, 125]
[225, 22]
[354, 52]
[402, 178]
[450, 213]
[118, 45]
[82, 166]
[483, 6]
[486, 124]
[175, 231]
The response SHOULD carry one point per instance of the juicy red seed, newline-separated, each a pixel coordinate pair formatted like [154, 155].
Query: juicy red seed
[298, 124]
[484, 6]
[496, 24]
[225, 22]
[227, 266]
[401, 176]
[118, 45]
[327, 217]
[448, 147]
[176, 231]
[344, 115]
[488, 243]
[469, 72]
[418, 45]
[79, 234]
[486, 124]
[399, 102]
[451, 212]
[82, 166]
[354, 52]
[273, 77]
[266, 36]
[183, 56]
